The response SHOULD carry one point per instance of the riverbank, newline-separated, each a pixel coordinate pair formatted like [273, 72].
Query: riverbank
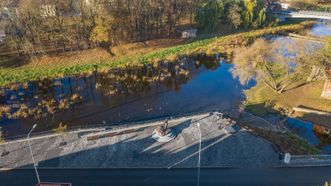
[262, 101]
[225, 45]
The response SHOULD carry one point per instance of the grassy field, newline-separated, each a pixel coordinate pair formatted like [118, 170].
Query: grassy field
[261, 100]
[86, 62]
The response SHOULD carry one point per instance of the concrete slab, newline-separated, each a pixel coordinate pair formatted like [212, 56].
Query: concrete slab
[138, 149]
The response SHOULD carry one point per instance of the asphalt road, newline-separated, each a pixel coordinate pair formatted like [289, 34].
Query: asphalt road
[224, 176]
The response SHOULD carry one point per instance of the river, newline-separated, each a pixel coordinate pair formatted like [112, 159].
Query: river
[305, 129]
[191, 84]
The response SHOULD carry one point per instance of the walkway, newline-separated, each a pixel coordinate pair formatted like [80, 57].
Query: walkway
[254, 121]
[310, 160]
[304, 14]
[131, 148]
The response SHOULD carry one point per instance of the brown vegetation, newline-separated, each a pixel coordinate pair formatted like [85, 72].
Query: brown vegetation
[287, 143]
[99, 54]
[45, 27]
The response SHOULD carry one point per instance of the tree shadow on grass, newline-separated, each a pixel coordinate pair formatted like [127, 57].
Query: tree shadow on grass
[12, 62]
[263, 109]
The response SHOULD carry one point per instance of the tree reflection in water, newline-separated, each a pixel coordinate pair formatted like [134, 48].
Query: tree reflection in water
[49, 98]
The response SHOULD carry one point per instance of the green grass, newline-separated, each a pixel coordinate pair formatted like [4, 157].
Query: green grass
[224, 44]
[262, 100]
[303, 143]
[261, 109]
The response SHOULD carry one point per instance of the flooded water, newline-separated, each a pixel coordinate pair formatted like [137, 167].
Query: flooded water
[321, 29]
[191, 84]
[306, 131]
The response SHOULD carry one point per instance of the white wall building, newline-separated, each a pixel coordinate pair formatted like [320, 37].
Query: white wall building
[2, 35]
[285, 6]
[190, 33]
[48, 10]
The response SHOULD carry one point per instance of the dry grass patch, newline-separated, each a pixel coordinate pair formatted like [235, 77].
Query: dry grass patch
[145, 47]
[68, 59]
[99, 55]
[262, 100]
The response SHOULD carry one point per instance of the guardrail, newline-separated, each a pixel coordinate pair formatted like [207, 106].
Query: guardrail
[305, 14]
[310, 160]
[311, 157]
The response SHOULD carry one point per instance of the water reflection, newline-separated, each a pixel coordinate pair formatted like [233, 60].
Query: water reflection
[306, 131]
[190, 84]
[321, 29]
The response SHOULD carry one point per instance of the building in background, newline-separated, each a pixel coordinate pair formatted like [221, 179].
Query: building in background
[189, 33]
[2, 35]
[48, 10]
[323, 129]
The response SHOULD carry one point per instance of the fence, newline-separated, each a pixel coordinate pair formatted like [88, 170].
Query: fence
[310, 160]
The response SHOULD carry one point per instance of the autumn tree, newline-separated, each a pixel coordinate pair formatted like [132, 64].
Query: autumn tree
[254, 14]
[317, 63]
[84, 23]
[234, 14]
[60, 130]
[38, 26]
[59, 22]
[264, 63]
[208, 15]
[25, 29]
[100, 32]
[248, 14]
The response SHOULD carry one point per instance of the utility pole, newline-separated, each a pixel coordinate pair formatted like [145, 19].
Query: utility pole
[34, 162]
[199, 158]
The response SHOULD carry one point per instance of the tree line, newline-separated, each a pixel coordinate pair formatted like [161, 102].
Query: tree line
[237, 13]
[36, 26]
[43, 26]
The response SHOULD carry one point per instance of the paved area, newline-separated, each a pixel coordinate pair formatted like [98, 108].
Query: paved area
[133, 148]
[270, 123]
